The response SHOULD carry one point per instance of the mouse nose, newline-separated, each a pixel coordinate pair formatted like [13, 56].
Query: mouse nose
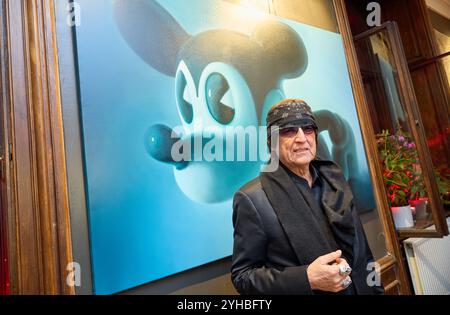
[159, 140]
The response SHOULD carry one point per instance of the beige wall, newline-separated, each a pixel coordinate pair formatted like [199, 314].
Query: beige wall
[317, 13]
[212, 278]
[440, 6]
[219, 285]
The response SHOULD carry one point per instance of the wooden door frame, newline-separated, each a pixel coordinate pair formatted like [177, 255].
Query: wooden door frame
[39, 234]
[4, 269]
[394, 259]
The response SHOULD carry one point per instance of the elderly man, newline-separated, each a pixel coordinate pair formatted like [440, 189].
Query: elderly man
[295, 229]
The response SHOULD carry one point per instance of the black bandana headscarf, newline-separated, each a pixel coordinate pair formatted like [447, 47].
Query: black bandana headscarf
[290, 113]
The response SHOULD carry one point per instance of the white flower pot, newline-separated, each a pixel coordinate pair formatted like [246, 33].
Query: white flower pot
[402, 217]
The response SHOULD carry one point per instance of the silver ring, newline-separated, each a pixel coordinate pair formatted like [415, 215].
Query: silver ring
[346, 282]
[344, 270]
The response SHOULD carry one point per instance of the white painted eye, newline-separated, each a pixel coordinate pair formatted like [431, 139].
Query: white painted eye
[224, 97]
[184, 98]
[219, 98]
[187, 95]
[227, 99]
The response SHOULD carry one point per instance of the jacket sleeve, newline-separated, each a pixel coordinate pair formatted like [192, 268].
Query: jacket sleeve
[249, 273]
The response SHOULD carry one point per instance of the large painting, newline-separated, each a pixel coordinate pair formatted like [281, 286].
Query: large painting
[154, 74]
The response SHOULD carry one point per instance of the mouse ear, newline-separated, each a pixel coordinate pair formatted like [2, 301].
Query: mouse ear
[284, 48]
[151, 32]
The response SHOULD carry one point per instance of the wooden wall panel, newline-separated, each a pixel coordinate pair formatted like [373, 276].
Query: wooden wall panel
[432, 105]
[412, 26]
[389, 278]
[38, 215]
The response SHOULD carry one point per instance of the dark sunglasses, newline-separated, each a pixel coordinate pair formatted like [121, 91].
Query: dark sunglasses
[291, 131]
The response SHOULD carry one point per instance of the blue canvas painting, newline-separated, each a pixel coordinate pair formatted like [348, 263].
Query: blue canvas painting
[154, 74]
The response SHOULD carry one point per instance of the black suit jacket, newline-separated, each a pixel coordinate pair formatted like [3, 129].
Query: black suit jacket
[266, 259]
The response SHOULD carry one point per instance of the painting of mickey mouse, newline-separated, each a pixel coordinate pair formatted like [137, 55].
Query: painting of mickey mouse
[155, 73]
[222, 78]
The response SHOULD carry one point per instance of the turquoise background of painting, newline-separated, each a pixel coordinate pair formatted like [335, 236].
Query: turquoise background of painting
[142, 227]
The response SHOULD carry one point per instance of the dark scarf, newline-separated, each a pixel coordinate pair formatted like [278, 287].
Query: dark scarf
[293, 208]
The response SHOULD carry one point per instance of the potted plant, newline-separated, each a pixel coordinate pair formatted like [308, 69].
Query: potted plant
[417, 198]
[401, 174]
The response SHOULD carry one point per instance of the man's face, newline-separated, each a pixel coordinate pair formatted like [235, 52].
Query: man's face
[297, 146]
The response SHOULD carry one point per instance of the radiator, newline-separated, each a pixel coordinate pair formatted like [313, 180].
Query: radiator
[429, 264]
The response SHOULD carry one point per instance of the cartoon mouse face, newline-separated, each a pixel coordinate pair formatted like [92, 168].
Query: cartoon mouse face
[222, 79]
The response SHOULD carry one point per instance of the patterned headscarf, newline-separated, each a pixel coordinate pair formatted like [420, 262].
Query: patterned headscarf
[290, 112]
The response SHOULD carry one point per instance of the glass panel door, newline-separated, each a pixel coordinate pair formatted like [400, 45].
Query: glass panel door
[408, 175]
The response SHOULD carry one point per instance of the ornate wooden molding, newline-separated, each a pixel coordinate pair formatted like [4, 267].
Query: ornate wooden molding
[39, 235]
[392, 242]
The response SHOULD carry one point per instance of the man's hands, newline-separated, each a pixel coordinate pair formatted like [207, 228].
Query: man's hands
[325, 277]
